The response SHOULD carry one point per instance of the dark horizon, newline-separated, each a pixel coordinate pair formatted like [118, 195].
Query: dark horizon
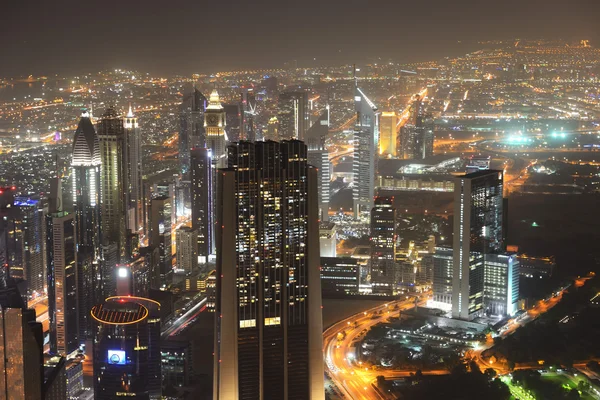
[184, 36]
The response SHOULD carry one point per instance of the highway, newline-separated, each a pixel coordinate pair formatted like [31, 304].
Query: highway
[354, 381]
[182, 322]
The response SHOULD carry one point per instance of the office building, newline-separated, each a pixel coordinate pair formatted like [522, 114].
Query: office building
[74, 372]
[132, 181]
[366, 144]
[388, 138]
[127, 359]
[536, 267]
[268, 339]
[187, 249]
[111, 135]
[177, 363]
[88, 229]
[55, 378]
[22, 239]
[293, 114]
[383, 245]
[477, 232]
[248, 105]
[272, 130]
[21, 343]
[62, 283]
[160, 235]
[327, 239]
[339, 276]
[443, 259]
[501, 284]
[202, 174]
[318, 157]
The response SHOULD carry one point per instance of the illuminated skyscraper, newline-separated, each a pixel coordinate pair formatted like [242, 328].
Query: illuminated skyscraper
[202, 200]
[383, 245]
[477, 232]
[366, 144]
[268, 339]
[416, 138]
[133, 173]
[388, 138]
[318, 157]
[86, 190]
[127, 359]
[111, 134]
[293, 115]
[214, 125]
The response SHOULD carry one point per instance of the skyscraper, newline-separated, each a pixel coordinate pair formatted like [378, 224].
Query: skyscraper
[21, 343]
[318, 156]
[416, 140]
[191, 128]
[477, 232]
[383, 245]
[248, 104]
[160, 235]
[86, 192]
[214, 125]
[202, 173]
[443, 260]
[388, 138]
[366, 144]
[293, 114]
[132, 181]
[62, 282]
[111, 134]
[191, 135]
[268, 341]
[127, 348]
[187, 249]
[234, 121]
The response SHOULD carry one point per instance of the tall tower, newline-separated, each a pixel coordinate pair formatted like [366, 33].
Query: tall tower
[293, 115]
[191, 135]
[389, 137]
[160, 235]
[86, 192]
[268, 341]
[477, 232]
[62, 282]
[383, 244]
[111, 133]
[366, 144]
[191, 128]
[214, 124]
[203, 200]
[132, 181]
[318, 157]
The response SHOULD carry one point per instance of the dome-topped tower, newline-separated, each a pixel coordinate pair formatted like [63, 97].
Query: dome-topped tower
[86, 146]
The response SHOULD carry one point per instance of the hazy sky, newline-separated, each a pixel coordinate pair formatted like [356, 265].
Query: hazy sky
[185, 36]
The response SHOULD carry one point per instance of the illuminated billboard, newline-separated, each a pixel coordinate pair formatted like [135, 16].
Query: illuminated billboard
[116, 357]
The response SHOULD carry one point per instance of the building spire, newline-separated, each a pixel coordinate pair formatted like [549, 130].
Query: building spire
[130, 112]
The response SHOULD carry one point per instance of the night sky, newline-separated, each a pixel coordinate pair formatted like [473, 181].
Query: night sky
[186, 36]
